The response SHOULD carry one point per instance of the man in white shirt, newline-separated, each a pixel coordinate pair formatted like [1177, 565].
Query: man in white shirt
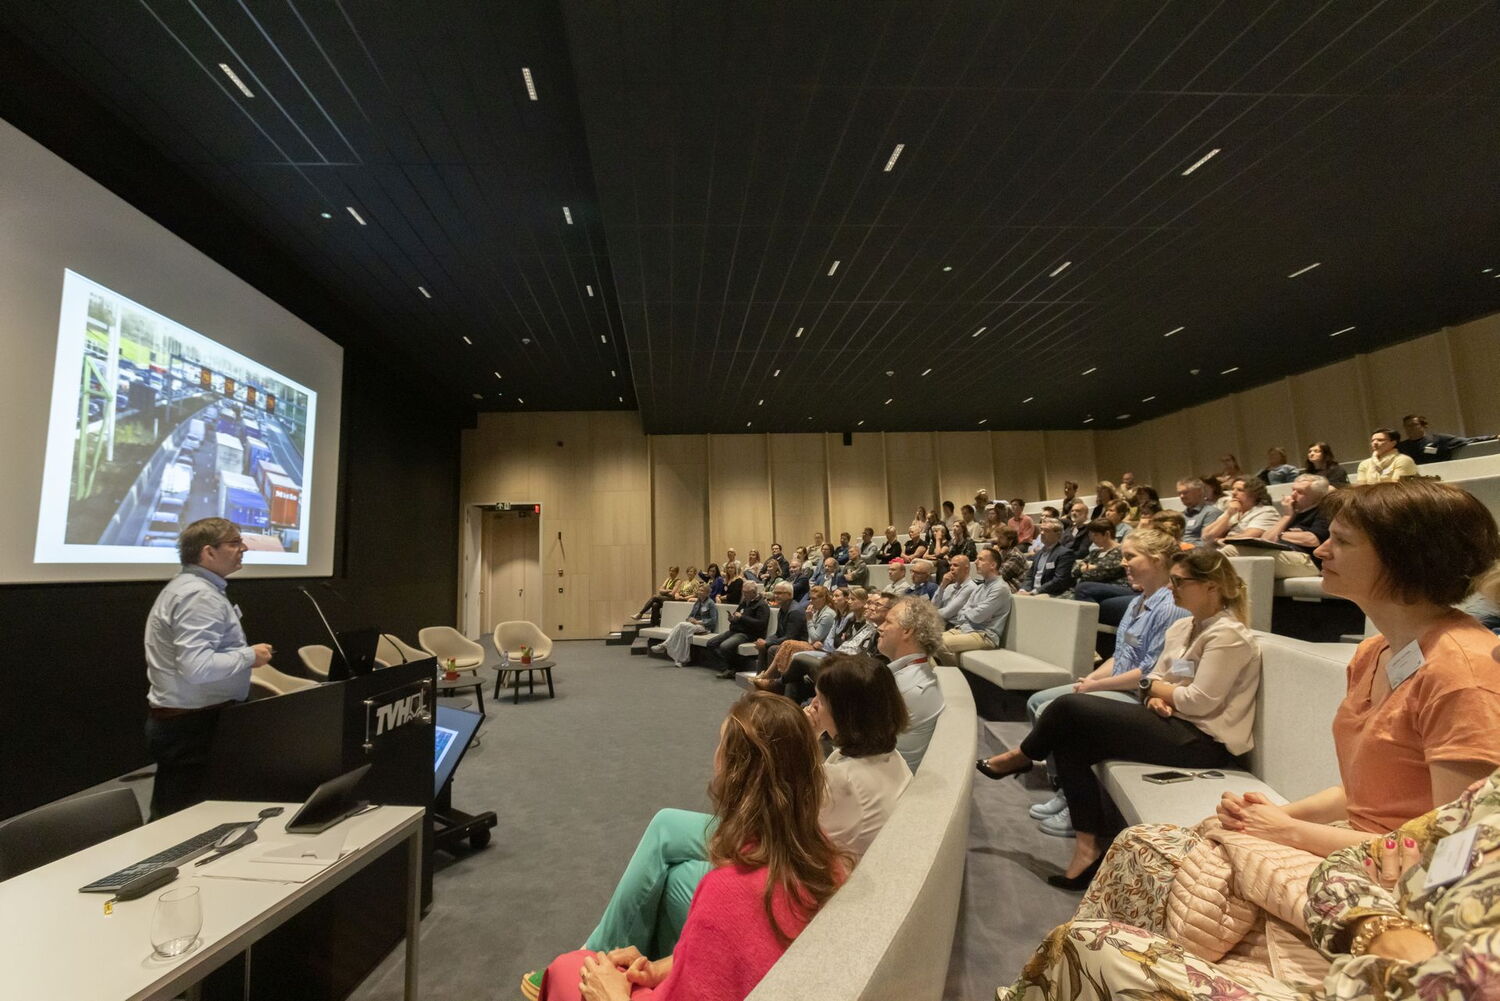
[197, 661]
[899, 584]
[980, 623]
[955, 589]
[910, 634]
[869, 549]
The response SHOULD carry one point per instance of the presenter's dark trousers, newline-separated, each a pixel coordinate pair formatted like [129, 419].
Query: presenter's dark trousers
[179, 743]
[1080, 730]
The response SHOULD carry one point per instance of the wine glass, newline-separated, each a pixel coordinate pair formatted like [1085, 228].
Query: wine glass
[177, 921]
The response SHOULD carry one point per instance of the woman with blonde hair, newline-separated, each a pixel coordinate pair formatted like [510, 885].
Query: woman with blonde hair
[1103, 494]
[825, 606]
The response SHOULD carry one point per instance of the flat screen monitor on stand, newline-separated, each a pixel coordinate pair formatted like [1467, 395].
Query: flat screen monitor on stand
[453, 731]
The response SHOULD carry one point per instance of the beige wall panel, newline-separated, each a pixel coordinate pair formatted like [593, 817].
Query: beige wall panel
[1132, 450]
[680, 500]
[739, 502]
[1214, 431]
[1414, 377]
[1019, 460]
[911, 473]
[1069, 455]
[1266, 416]
[1173, 453]
[965, 463]
[799, 475]
[857, 495]
[1329, 408]
[1476, 362]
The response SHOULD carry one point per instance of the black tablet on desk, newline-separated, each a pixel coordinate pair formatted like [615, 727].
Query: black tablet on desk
[330, 803]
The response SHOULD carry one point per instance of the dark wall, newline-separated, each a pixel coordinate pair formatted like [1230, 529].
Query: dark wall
[72, 678]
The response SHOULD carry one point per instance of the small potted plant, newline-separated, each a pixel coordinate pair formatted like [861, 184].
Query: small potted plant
[450, 670]
[526, 655]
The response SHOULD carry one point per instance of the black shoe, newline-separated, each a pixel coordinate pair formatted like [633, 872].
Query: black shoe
[983, 767]
[725, 675]
[1078, 882]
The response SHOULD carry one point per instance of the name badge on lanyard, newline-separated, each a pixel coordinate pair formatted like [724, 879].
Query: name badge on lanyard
[1452, 858]
[1404, 664]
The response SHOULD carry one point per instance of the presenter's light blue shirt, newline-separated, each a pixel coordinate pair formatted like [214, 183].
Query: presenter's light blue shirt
[196, 652]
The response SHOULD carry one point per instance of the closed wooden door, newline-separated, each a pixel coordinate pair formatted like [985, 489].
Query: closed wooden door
[513, 572]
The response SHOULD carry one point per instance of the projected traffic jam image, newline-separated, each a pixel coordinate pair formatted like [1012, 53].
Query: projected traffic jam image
[171, 428]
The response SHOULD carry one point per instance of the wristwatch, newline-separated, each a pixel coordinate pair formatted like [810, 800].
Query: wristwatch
[1143, 687]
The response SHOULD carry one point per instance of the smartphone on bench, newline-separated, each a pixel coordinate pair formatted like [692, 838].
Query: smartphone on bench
[1165, 778]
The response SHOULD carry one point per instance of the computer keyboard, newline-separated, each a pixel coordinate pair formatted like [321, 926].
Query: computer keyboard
[178, 854]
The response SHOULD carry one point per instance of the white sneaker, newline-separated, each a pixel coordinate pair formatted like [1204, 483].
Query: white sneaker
[1057, 804]
[1059, 826]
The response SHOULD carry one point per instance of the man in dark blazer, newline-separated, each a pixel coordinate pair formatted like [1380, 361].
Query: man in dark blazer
[747, 622]
[791, 624]
[1052, 568]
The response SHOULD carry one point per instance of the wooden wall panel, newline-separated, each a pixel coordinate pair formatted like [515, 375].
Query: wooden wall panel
[1019, 464]
[679, 500]
[1173, 459]
[1215, 432]
[1266, 416]
[1132, 450]
[911, 473]
[1328, 401]
[1413, 377]
[739, 498]
[966, 462]
[857, 495]
[799, 477]
[1475, 350]
[1069, 456]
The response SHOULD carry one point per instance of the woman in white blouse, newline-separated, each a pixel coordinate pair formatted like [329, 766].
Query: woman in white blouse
[1249, 514]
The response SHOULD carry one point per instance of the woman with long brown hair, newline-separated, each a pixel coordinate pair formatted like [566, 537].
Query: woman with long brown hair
[770, 867]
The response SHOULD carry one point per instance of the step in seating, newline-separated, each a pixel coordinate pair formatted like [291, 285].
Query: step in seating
[1301, 687]
[1048, 642]
[675, 612]
[888, 932]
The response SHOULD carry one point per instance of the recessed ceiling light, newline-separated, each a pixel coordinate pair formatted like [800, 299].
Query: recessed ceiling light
[1147, 399]
[620, 398]
[478, 396]
[1303, 271]
[357, 217]
[895, 154]
[234, 78]
[747, 424]
[761, 403]
[860, 424]
[603, 339]
[467, 341]
[1090, 371]
[1122, 417]
[888, 402]
[985, 421]
[1486, 271]
[947, 267]
[928, 372]
[423, 290]
[776, 373]
[889, 372]
[531, 84]
[1175, 330]
[526, 340]
[834, 267]
[1344, 331]
[799, 331]
[612, 374]
[1201, 161]
[1028, 399]
[1060, 269]
[568, 215]
[326, 215]
[519, 400]
[1232, 368]
[497, 375]
[1088, 420]
[979, 331]
[590, 290]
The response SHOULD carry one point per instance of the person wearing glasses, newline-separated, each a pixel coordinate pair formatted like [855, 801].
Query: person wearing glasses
[197, 661]
[1196, 707]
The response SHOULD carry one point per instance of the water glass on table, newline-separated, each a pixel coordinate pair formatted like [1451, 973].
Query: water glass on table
[177, 921]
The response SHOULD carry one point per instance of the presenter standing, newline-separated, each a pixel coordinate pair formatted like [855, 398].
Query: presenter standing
[197, 661]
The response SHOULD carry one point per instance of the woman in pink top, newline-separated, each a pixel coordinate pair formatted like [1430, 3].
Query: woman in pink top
[774, 869]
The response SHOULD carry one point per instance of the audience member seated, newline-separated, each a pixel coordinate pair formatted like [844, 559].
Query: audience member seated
[715, 579]
[1304, 527]
[800, 578]
[982, 502]
[827, 571]
[980, 623]
[909, 637]
[1197, 511]
[1277, 470]
[780, 557]
[1420, 722]
[986, 526]
[1023, 526]
[666, 591]
[969, 517]
[1229, 471]
[1070, 494]
[1013, 561]
[1075, 535]
[747, 622]
[1117, 513]
[899, 583]
[842, 550]
[703, 617]
[1171, 522]
[1422, 445]
[855, 573]
[1321, 462]
[1216, 495]
[1127, 488]
[687, 585]
[1248, 515]
[959, 544]
[1384, 929]
[818, 542]
[869, 549]
[891, 548]
[1052, 567]
[797, 681]
[791, 624]
[1104, 494]
[1385, 462]
[953, 591]
[922, 584]
[938, 548]
[949, 515]
[1199, 707]
[1102, 564]
[1147, 502]
[826, 606]
[916, 541]
[753, 566]
[770, 576]
[1484, 602]
[756, 871]
[734, 583]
